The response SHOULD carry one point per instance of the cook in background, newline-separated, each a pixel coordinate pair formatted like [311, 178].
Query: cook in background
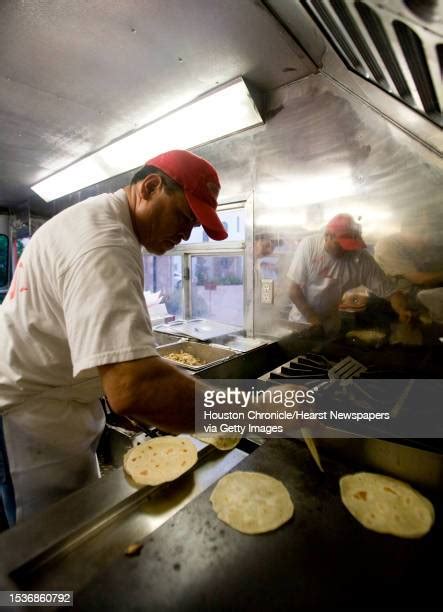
[75, 326]
[327, 265]
[267, 265]
[414, 258]
[264, 247]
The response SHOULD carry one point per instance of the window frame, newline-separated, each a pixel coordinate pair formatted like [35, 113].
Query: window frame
[186, 270]
[222, 248]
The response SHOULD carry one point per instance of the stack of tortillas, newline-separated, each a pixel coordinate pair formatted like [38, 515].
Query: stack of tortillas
[251, 502]
[386, 505]
[221, 443]
[160, 460]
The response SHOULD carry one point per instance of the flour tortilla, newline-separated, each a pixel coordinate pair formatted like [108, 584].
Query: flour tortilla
[160, 460]
[224, 444]
[251, 502]
[371, 337]
[386, 505]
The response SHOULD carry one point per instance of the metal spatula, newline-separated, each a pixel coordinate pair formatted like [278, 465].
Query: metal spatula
[310, 443]
[346, 368]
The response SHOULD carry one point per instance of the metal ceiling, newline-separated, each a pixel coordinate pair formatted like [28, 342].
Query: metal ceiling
[77, 74]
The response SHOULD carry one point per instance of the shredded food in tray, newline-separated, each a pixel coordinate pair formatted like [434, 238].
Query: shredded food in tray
[185, 358]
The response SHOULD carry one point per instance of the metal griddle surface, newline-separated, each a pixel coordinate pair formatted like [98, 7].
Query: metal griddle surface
[323, 557]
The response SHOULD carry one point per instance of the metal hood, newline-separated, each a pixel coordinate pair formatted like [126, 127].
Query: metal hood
[390, 54]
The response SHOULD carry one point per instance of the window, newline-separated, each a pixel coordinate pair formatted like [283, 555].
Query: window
[164, 274]
[233, 220]
[203, 277]
[4, 260]
[217, 288]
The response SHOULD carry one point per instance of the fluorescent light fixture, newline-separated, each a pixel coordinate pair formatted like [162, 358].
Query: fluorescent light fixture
[225, 110]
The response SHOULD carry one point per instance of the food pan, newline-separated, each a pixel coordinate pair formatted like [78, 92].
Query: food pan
[209, 353]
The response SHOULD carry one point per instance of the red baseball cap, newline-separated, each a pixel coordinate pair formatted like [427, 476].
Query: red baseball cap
[200, 183]
[347, 232]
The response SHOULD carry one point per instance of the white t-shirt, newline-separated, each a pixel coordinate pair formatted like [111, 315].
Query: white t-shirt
[324, 278]
[76, 302]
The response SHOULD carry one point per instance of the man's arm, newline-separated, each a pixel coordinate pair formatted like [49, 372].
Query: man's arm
[297, 297]
[399, 303]
[396, 261]
[155, 393]
[424, 278]
[152, 392]
[373, 277]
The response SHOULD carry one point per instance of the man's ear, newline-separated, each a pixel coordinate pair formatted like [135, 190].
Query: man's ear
[150, 184]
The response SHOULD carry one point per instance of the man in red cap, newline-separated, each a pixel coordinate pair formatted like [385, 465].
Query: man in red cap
[74, 326]
[170, 195]
[325, 266]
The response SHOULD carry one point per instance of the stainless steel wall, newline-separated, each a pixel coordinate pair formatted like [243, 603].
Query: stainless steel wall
[322, 151]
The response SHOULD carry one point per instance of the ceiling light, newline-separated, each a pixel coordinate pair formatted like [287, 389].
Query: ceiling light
[223, 111]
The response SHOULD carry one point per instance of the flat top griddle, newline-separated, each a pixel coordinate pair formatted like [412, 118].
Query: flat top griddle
[391, 361]
[323, 557]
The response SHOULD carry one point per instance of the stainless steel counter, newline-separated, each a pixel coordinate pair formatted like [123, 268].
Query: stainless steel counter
[322, 557]
[66, 545]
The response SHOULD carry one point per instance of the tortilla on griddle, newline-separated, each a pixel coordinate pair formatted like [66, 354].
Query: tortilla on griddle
[386, 505]
[370, 337]
[221, 443]
[160, 460]
[252, 502]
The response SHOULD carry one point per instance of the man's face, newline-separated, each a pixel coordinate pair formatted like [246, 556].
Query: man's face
[162, 219]
[264, 247]
[332, 246]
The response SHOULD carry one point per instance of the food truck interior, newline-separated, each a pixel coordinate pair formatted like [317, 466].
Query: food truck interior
[342, 106]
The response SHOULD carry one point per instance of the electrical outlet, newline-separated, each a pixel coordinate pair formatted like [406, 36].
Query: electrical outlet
[267, 291]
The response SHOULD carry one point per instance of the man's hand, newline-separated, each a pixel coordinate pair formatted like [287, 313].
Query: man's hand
[298, 298]
[312, 329]
[315, 321]
[405, 316]
[317, 330]
[399, 303]
[309, 331]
